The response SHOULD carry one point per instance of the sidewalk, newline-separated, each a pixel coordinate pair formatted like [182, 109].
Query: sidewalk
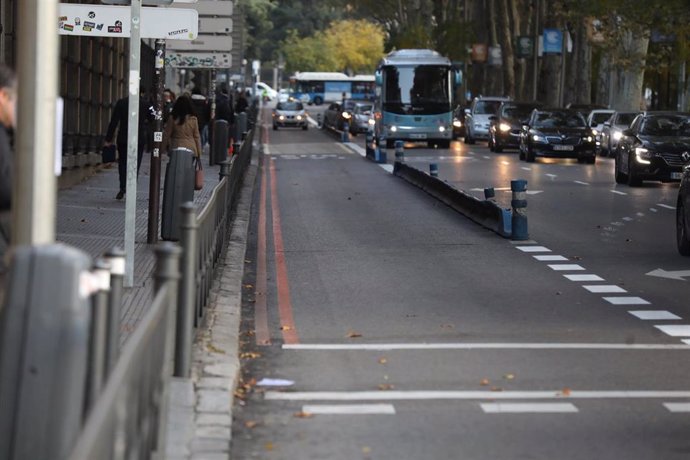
[91, 219]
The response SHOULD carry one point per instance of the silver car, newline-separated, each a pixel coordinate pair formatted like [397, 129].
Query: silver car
[478, 117]
[290, 114]
[362, 117]
[612, 131]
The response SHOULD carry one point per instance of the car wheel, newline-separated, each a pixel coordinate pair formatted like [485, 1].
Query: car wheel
[468, 138]
[275, 127]
[591, 160]
[620, 177]
[305, 127]
[318, 100]
[633, 180]
[530, 155]
[682, 237]
[490, 144]
[498, 148]
[521, 153]
[390, 143]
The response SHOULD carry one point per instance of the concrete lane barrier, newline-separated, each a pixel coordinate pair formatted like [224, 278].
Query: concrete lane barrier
[486, 213]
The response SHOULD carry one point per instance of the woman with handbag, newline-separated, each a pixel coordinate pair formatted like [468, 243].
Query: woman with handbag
[182, 131]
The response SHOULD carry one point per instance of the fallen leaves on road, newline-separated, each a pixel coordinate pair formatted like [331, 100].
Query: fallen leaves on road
[249, 286]
[386, 386]
[353, 334]
[383, 360]
[268, 446]
[485, 382]
[509, 376]
[496, 389]
[285, 328]
[213, 349]
[251, 424]
[565, 392]
[250, 355]
[302, 414]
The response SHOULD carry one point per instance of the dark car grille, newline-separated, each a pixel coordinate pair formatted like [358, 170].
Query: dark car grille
[570, 140]
[672, 159]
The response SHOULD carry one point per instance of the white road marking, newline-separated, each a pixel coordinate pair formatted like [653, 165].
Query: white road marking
[640, 214]
[654, 315]
[528, 408]
[524, 168]
[515, 243]
[665, 206]
[387, 168]
[267, 149]
[605, 289]
[584, 277]
[479, 346]
[465, 395]
[566, 267]
[675, 331]
[618, 192]
[550, 258]
[356, 148]
[552, 176]
[349, 409]
[677, 407]
[581, 183]
[626, 301]
[628, 219]
[653, 209]
[505, 162]
[486, 157]
[686, 341]
[344, 146]
[533, 249]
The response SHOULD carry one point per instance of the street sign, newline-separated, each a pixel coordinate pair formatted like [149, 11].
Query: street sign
[115, 21]
[215, 25]
[525, 47]
[212, 7]
[553, 41]
[204, 43]
[198, 60]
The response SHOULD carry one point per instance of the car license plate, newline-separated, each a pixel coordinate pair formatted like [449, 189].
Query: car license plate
[563, 148]
[676, 175]
[417, 136]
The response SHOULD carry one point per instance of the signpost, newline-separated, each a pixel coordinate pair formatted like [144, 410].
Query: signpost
[135, 22]
[184, 60]
[206, 43]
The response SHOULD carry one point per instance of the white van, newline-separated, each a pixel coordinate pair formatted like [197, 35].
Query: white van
[259, 88]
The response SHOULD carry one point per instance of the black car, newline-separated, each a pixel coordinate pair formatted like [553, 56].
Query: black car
[339, 113]
[559, 133]
[655, 147]
[506, 125]
[683, 213]
[458, 123]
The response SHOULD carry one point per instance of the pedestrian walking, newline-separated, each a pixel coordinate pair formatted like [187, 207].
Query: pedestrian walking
[168, 101]
[241, 104]
[8, 105]
[182, 128]
[119, 121]
[203, 113]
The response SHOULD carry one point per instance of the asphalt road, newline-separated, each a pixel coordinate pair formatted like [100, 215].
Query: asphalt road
[394, 328]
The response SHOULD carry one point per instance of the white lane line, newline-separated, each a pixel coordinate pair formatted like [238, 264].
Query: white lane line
[487, 157]
[626, 301]
[628, 219]
[356, 148]
[618, 192]
[465, 395]
[653, 209]
[524, 168]
[345, 146]
[654, 315]
[505, 162]
[665, 206]
[552, 176]
[677, 407]
[581, 183]
[675, 331]
[605, 289]
[640, 214]
[515, 243]
[387, 168]
[480, 346]
[267, 149]
[349, 409]
[566, 267]
[550, 258]
[528, 408]
[533, 249]
[584, 277]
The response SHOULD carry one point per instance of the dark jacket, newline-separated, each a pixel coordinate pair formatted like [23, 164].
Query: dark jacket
[6, 170]
[242, 104]
[120, 118]
[224, 108]
[202, 110]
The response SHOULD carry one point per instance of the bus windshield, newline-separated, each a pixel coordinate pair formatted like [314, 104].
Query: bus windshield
[416, 90]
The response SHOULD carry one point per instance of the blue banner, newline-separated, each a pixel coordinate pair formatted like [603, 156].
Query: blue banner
[553, 41]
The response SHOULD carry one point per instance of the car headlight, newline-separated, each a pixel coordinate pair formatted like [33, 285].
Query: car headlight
[587, 138]
[299, 117]
[441, 129]
[538, 138]
[595, 132]
[394, 129]
[371, 122]
[504, 127]
[617, 135]
[281, 118]
[346, 115]
[457, 123]
[642, 155]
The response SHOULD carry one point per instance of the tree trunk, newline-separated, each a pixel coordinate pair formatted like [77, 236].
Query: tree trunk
[550, 75]
[521, 27]
[583, 70]
[508, 53]
[601, 96]
[629, 79]
[493, 79]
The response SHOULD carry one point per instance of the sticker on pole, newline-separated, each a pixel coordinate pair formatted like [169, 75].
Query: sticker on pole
[158, 136]
[115, 21]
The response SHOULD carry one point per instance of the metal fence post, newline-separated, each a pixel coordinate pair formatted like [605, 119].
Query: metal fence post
[98, 334]
[116, 258]
[242, 123]
[224, 171]
[219, 145]
[187, 293]
[166, 276]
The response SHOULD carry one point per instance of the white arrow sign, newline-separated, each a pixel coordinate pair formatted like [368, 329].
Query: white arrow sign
[115, 21]
[679, 275]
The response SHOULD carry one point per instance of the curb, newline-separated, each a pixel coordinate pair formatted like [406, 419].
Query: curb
[200, 423]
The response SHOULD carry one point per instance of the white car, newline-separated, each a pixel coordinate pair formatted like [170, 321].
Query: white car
[596, 120]
[478, 117]
[613, 131]
[283, 95]
[260, 87]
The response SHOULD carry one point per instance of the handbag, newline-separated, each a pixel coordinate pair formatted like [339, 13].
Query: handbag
[108, 153]
[198, 174]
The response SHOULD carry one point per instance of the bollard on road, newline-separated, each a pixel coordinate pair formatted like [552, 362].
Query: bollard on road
[369, 144]
[433, 169]
[346, 132]
[399, 152]
[519, 205]
[489, 193]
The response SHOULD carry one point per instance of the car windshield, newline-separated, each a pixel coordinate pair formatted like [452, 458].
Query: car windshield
[417, 90]
[559, 120]
[666, 125]
[517, 112]
[625, 118]
[349, 105]
[600, 117]
[364, 109]
[291, 106]
[486, 107]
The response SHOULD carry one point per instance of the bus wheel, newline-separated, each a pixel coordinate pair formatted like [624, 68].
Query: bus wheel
[318, 100]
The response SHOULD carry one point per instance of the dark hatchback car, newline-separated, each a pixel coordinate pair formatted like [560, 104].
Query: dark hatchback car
[339, 113]
[559, 133]
[504, 131]
[655, 147]
[683, 213]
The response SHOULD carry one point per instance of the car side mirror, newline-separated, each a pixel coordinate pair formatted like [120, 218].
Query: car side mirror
[627, 132]
[467, 111]
[607, 123]
[525, 127]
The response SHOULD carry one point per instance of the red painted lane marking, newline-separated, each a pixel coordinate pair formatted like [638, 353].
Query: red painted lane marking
[287, 323]
[263, 336]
